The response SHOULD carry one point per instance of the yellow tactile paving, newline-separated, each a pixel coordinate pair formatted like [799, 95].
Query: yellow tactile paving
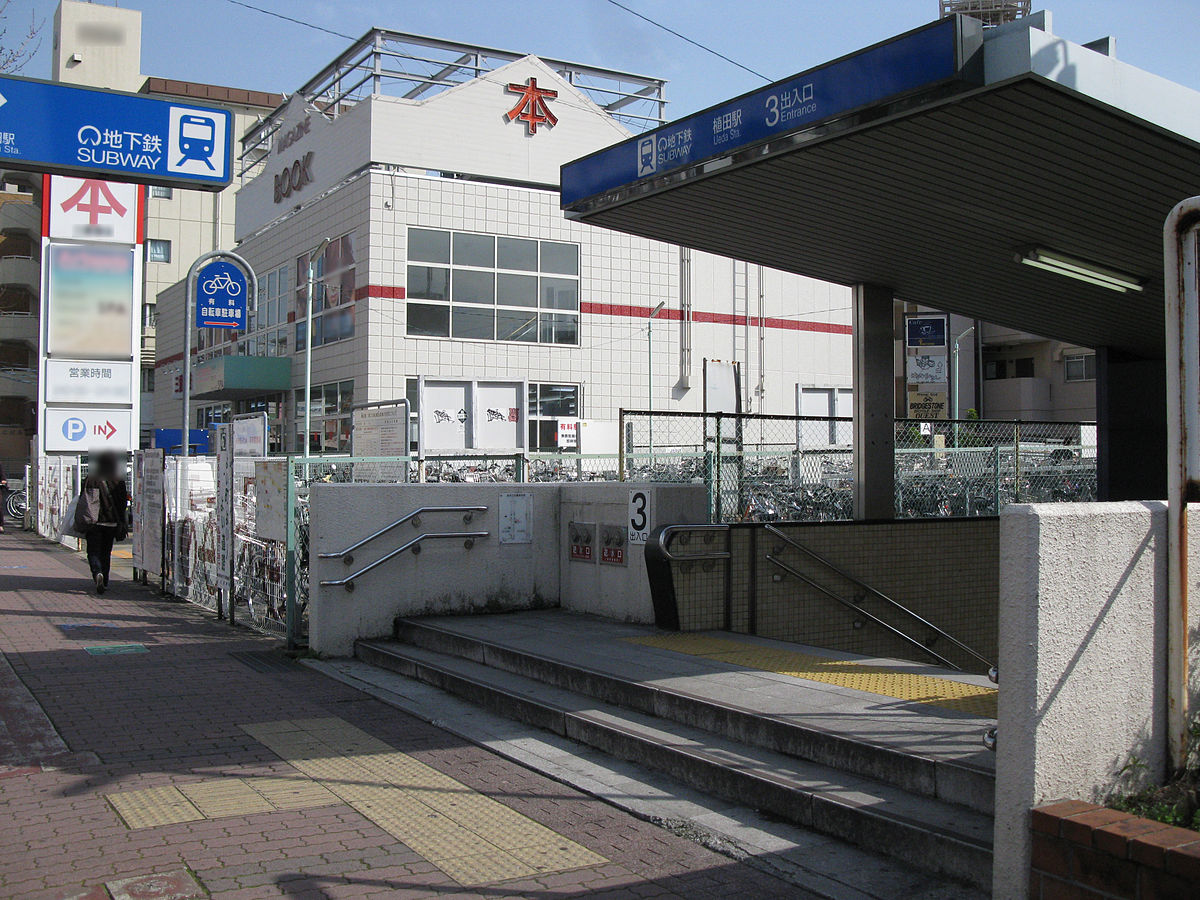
[969, 698]
[218, 798]
[292, 793]
[154, 806]
[225, 797]
[470, 837]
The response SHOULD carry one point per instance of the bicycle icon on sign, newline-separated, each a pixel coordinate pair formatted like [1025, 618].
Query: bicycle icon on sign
[221, 282]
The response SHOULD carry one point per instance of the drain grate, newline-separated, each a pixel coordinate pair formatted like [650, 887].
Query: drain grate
[264, 661]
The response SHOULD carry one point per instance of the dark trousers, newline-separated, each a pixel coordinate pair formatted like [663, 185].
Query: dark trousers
[99, 551]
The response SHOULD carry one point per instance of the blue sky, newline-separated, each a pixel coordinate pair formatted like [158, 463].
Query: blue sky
[219, 42]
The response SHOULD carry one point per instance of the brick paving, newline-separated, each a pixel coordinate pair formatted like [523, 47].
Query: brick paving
[76, 727]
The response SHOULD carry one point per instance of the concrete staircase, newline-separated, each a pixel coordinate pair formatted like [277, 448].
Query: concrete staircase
[932, 813]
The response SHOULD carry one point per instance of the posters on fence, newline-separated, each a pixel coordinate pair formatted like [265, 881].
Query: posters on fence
[148, 511]
[270, 490]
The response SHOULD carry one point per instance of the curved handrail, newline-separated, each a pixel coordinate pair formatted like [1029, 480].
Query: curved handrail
[412, 515]
[665, 534]
[882, 596]
[470, 536]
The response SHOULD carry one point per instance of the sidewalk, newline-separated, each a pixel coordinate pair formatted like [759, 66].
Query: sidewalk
[148, 750]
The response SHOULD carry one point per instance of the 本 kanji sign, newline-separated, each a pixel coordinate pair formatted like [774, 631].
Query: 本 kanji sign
[89, 209]
[533, 108]
[57, 128]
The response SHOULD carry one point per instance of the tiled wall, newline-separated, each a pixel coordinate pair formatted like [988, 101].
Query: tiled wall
[945, 571]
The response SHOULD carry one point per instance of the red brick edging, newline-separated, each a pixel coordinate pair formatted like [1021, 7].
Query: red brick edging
[1083, 851]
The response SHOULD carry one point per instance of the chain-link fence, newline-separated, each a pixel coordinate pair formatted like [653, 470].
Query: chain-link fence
[974, 467]
[762, 468]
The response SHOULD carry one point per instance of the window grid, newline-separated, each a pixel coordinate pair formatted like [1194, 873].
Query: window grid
[334, 274]
[488, 287]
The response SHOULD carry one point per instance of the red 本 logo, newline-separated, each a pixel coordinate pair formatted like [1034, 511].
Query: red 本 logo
[533, 108]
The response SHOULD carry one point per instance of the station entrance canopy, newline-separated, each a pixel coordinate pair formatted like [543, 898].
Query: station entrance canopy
[929, 164]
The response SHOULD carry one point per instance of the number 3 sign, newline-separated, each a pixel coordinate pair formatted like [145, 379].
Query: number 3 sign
[639, 515]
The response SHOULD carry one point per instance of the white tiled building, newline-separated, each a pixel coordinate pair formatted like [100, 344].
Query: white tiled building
[449, 258]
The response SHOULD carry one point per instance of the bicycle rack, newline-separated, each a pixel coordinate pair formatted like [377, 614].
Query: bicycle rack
[415, 517]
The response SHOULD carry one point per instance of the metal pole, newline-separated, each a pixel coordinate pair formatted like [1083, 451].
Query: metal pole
[308, 333]
[956, 411]
[1180, 271]
[184, 447]
[650, 375]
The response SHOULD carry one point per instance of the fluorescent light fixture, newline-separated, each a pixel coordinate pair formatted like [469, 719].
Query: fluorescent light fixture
[1079, 269]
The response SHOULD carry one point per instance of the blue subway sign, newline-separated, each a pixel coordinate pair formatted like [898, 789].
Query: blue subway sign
[65, 130]
[221, 298]
[920, 59]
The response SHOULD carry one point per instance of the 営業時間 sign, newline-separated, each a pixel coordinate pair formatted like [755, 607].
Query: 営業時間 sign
[50, 127]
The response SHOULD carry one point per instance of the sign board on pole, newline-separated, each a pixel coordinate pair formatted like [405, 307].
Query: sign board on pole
[88, 381]
[221, 296]
[91, 297]
[927, 368]
[148, 511]
[928, 405]
[925, 331]
[224, 505]
[472, 415]
[74, 430]
[380, 431]
[46, 126]
[250, 434]
[568, 434]
[270, 499]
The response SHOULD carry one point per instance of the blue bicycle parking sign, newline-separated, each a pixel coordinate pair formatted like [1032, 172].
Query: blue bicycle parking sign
[221, 296]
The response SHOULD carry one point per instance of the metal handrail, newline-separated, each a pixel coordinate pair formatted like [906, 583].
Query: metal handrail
[347, 559]
[860, 611]
[671, 529]
[469, 542]
[993, 674]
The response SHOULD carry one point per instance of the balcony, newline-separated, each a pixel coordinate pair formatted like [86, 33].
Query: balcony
[21, 271]
[18, 381]
[149, 345]
[21, 327]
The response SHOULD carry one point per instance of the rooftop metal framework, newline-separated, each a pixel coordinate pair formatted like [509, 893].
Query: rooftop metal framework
[989, 12]
[414, 67]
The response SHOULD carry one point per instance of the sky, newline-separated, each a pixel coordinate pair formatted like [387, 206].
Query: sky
[221, 42]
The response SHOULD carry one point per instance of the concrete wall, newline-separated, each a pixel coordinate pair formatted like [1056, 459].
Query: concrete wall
[618, 591]
[1082, 647]
[446, 578]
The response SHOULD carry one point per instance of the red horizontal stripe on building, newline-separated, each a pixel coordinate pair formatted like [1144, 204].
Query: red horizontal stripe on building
[712, 318]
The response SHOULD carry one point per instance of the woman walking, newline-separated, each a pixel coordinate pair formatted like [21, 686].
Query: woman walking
[104, 492]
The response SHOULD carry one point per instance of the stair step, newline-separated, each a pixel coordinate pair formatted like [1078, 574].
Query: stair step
[952, 781]
[921, 831]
